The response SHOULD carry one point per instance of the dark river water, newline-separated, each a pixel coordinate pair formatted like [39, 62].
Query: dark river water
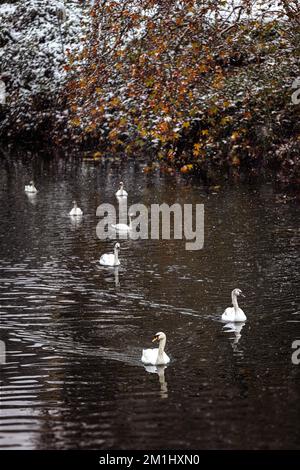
[74, 330]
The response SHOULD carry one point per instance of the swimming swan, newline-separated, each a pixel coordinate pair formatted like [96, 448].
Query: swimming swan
[76, 211]
[111, 259]
[156, 356]
[234, 313]
[121, 191]
[30, 188]
[123, 227]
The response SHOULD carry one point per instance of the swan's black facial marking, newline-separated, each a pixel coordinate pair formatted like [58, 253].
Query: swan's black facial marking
[155, 338]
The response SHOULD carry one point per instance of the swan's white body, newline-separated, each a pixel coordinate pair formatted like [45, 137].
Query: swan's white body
[123, 227]
[121, 191]
[76, 211]
[111, 259]
[152, 356]
[32, 198]
[156, 356]
[30, 188]
[76, 221]
[235, 313]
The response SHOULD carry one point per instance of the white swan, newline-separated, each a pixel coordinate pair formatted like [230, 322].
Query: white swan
[235, 313]
[123, 227]
[30, 188]
[75, 221]
[156, 356]
[32, 198]
[76, 211]
[121, 191]
[111, 259]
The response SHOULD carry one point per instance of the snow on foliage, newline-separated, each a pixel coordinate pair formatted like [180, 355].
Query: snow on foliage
[34, 36]
[202, 84]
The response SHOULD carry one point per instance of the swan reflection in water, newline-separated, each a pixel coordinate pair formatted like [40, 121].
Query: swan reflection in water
[116, 273]
[123, 209]
[112, 274]
[236, 328]
[32, 198]
[160, 371]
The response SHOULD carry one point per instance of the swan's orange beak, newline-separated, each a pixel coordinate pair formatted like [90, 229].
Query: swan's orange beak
[154, 339]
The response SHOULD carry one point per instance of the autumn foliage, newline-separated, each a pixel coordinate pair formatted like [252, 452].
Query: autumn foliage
[186, 81]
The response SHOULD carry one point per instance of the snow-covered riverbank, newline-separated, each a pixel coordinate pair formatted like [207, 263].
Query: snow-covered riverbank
[34, 38]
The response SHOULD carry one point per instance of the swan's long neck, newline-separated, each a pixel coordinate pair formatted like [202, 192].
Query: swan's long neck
[161, 348]
[234, 301]
[116, 255]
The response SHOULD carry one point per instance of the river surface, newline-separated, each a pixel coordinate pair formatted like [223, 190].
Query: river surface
[73, 330]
